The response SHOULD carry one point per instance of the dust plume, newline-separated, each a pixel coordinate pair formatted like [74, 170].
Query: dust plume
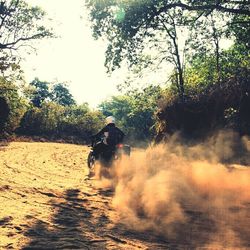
[198, 192]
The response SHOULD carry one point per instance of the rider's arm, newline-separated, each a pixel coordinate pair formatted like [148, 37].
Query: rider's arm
[100, 133]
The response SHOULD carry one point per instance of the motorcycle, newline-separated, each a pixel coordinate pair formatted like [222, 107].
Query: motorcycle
[107, 156]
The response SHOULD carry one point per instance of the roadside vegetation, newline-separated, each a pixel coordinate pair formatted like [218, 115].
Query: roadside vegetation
[207, 88]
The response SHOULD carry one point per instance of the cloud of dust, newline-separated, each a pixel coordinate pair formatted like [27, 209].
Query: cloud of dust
[171, 187]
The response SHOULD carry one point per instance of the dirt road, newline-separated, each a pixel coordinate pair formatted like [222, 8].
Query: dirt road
[47, 202]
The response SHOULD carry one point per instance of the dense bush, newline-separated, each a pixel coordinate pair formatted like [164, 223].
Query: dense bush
[59, 122]
[13, 106]
[222, 105]
[4, 112]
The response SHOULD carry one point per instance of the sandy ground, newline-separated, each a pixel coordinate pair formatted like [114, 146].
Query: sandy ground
[47, 201]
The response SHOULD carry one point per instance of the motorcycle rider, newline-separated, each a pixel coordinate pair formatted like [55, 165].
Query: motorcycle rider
[109, 137]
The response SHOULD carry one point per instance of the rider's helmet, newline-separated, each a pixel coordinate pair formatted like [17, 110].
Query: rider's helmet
[110, 119]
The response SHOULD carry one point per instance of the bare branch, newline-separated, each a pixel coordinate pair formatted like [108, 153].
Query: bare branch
[203, 7]
[11, 44]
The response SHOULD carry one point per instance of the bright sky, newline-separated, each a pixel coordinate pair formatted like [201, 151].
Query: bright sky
[74, 57]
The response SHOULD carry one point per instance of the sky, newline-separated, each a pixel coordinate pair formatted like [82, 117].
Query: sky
[74, 57]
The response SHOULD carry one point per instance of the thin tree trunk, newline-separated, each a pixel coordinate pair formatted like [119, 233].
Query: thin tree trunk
[217, 52]
[179, 70]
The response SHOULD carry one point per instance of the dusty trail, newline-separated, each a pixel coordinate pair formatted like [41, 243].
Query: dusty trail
[47, 202]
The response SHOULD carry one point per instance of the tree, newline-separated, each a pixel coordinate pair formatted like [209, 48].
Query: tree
[132, 27]
[170, 23]
[57, 121]
[61, 95]
[40, 92]
[4, 112]
[19, 25]
[240, 28]
[43, 120]
[144, 104]
[137, 32]
[134, 111]
[13, 106]
[205, 41]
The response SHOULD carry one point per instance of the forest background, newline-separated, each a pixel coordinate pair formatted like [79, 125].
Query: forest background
[206, 86]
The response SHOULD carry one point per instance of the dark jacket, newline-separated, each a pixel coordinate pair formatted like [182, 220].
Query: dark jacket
[111, 134]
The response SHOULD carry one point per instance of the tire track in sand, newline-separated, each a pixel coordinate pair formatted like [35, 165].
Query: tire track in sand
[48, 203]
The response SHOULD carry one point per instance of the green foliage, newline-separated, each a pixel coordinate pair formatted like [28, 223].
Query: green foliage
[16, 105]
[41, 121]
[118, 106]
[61, 95]
[10, 67]
[4, 112]
[133, 28]
[234, 60]
[203, 72]
[240, 28]
[134, 112]
[81, 121]
[224, 105]
[58, 121]
[53, 113]
[40, 92]
[20, 24]
[140, 26]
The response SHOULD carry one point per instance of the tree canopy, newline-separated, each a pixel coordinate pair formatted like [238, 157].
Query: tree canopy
[44, 91]
[40, 92]
[157, 27]
[20, 24]
[61, 95]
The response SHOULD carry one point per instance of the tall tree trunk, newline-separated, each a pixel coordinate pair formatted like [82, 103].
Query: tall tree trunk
[176, 56]
[216, 39]
[217, 55]
[179, 70]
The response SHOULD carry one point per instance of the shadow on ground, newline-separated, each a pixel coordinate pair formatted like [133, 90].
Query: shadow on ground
[79, 224]
[70, 227]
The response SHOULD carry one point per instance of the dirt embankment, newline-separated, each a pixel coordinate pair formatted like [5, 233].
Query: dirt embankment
[161, 198]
